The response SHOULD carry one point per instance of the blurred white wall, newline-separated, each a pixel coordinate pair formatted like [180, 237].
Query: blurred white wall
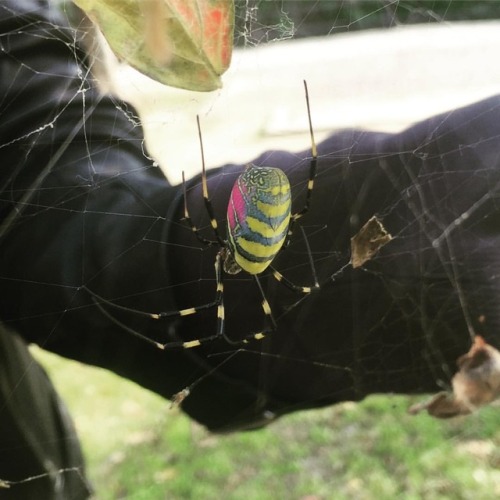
[379, 79]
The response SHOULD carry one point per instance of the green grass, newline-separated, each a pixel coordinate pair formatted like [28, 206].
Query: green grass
[138, 448]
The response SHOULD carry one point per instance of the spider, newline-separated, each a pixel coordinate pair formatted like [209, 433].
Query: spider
[259, 227]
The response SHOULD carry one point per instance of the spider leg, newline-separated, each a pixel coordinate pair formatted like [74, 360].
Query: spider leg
[217, 302]
[292, 286]
[189, 221]
[99, 301]
[206, 199]
[137, 334]
[265, 304]
[312, 171]
[299, 288]
[269, 318]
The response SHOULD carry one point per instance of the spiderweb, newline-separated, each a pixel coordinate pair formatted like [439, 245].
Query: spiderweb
[379, 66]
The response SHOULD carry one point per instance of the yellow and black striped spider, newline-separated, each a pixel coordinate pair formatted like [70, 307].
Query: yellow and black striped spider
[259, 223]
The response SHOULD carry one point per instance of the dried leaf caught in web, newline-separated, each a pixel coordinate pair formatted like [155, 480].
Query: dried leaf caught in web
[476, 384]
[182, 43]
[179, 397]
[368, 241]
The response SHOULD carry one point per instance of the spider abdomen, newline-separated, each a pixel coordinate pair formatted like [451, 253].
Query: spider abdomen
[258, 216]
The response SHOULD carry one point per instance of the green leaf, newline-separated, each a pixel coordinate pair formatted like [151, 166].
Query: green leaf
[182, 43]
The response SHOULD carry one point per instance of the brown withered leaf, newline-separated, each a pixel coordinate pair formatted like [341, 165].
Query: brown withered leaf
[179, 397]
[368, 241]
[477, 383]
